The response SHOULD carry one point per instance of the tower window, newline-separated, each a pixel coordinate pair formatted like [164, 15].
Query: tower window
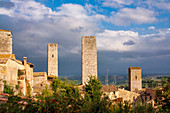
[52, 55]
[135, 77]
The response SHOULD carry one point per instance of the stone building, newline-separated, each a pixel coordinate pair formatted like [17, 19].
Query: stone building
[89, 58]
[115, 93]
[135, 78]
[40, 81]
[53, 59]
[40, 78]
[10, 67]
[5, 42]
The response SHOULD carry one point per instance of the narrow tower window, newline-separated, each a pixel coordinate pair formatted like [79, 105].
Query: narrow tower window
[135, 77]
[52, 55]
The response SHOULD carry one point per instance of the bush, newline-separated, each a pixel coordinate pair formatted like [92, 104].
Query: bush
[8, 89]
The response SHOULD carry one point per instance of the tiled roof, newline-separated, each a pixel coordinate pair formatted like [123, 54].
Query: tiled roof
[5, 30]
[109, 88]
[3, 60]
[12, 56]
[51, 76]
[39, 74]
[134, 67]
[21, 62]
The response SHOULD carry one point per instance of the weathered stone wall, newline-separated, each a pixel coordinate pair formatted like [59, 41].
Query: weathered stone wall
[40, 78]
[135, 78]
[10, 74]
[1, 83]
[127, 95]
[89, 58]
[53, 59]
[5, 42]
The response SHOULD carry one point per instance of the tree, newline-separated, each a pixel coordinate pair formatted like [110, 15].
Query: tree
[56, 84]
[93, 88]
[163, 81]
[7, 88]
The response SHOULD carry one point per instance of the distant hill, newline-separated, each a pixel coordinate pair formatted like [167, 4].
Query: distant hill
[112, 79]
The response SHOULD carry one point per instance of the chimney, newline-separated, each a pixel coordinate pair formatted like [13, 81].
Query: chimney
[25, 61]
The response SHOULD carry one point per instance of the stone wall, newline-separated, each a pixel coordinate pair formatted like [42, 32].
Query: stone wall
[10, 68]
[5, 42]
[89, 58]
[127, 95]
[53, 59]
[1, 83]
[40, 78]
[135, 78]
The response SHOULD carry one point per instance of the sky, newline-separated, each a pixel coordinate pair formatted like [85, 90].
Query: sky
[129, 32]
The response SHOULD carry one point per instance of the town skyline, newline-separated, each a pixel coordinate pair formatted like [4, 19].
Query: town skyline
[124, 37]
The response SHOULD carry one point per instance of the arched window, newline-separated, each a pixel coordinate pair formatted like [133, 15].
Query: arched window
[135, 77]
[52, 55]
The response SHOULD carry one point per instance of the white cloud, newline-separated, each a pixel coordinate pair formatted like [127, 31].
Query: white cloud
[117, 3]
[124, 41]
[161, 4]
[114, 40]
[4, 11]
[66, 25]
[30, 10]
[127, 16]
[151, 27]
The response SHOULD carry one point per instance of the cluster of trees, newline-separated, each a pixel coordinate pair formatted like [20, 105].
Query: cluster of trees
[163, 95]
[64, 96]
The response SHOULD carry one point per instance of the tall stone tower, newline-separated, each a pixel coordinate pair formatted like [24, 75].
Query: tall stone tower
[5, 42]
[135, 78]
[89, 58]
[53, 59]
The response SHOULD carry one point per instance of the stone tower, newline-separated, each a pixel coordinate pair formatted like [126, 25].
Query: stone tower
[135, 78]
[53, 59]
[89, 58]
[5, 42]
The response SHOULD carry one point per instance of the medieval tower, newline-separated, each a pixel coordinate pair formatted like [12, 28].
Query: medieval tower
[5, 42]
[53, 59]
[135, 78]
[89, 58]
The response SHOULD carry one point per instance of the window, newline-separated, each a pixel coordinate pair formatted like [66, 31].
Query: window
[135, 77]
[52, 55]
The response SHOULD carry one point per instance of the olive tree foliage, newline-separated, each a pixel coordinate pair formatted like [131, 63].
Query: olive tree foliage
[93, 96]
[65, 87]
[93, 88]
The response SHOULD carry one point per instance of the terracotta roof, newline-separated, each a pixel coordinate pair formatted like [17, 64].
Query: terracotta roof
[52, 44]
[12, 56]
[5, 30]
[39, 74]
[51, 76]
[109, 88]
[134, 67]
[3, 60]
[21, 62]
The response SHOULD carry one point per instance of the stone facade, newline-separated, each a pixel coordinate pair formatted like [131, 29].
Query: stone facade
[9, 70]
[127, 95]
[40, 78]
[1, 83]
[135, 78]
[89, 58]
[53, 59]
[5, 42]
[115, 93]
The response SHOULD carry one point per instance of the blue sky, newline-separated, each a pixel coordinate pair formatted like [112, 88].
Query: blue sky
[129, 32]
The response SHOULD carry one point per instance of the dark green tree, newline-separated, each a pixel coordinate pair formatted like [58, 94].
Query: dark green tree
[93, 89]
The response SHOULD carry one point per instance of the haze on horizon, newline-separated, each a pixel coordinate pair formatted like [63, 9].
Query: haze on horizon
[128, 32]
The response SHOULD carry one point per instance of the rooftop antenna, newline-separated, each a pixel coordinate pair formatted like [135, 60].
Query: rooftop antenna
[115, 79]
[106, 79]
